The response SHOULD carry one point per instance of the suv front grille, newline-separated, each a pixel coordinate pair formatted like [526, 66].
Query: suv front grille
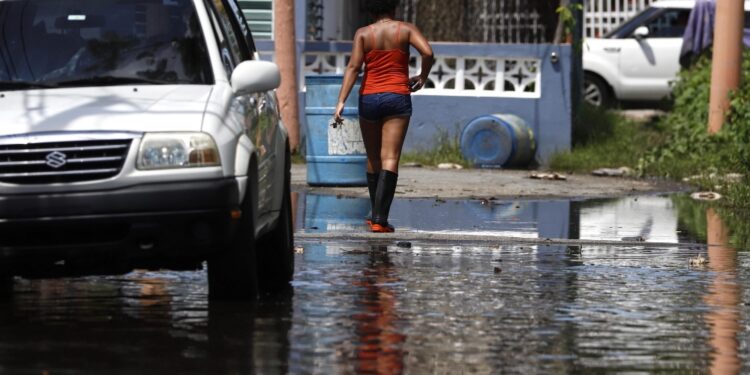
[61, 162]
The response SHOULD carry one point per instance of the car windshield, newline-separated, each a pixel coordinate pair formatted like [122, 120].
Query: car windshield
[64, 43]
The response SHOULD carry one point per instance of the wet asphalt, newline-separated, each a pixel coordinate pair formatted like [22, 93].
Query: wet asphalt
[422, 306]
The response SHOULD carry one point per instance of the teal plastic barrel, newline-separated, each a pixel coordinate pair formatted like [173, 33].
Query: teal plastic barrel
[499, 140]
[335, 154]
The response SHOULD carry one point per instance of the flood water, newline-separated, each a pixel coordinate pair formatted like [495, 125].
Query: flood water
[444, 308]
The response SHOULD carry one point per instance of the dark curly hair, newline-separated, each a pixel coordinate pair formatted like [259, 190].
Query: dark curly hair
[380, 7]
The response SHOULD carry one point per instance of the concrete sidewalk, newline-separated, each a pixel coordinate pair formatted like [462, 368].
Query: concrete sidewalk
[484, 183]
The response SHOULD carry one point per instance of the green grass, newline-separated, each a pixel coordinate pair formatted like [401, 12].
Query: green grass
[447, 149]
[605, 139]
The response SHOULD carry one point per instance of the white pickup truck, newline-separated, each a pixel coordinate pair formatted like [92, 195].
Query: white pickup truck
[639, 60]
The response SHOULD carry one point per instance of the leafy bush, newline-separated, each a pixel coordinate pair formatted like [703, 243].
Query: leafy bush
[688, 148]
[593, 125]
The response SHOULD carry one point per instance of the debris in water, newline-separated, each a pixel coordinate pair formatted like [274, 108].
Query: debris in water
[299, 250]
[497, 260]
[498, 270]
[698, 261]
[356, 252]
[574, 249]
[404, 244]
[706, 196]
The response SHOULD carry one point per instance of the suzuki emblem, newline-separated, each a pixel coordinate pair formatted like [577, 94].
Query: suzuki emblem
[56, 159]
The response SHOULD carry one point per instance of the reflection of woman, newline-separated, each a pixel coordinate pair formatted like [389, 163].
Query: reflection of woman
[385, 101]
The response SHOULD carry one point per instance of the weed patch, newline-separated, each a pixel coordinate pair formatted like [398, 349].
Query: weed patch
[604, 139]
[446, 149]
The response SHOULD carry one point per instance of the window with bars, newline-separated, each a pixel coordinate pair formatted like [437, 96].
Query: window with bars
[259, 15]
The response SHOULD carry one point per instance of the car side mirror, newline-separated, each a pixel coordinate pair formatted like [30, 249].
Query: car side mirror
[641, 33]
[255, 76]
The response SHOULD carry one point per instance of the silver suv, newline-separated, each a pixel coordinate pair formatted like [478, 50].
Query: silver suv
[141, 134]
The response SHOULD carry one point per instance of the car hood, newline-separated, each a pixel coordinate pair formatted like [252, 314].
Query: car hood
[111, 108]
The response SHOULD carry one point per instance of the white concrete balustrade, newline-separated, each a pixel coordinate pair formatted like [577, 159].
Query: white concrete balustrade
[454, 75]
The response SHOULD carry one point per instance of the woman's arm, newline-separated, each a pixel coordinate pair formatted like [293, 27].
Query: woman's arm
[418, 40]
[352, 71]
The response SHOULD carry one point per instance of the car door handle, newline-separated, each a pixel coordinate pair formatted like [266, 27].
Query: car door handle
[612, 49]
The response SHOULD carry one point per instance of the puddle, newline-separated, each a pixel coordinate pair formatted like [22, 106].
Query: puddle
[359, 307]
[660, 219]
[520, 309]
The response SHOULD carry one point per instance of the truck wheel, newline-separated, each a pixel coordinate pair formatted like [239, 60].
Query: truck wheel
[232, 274]
[276, 248]
[596, 91]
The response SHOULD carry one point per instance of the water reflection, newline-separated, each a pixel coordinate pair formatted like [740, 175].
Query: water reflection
[145, 323]
[646, 218]
[380, 339]
[724, 298]
[544, 309]
[519, 309]
[360, 307]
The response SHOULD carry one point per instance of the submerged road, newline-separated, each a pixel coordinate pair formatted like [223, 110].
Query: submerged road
[555, 286]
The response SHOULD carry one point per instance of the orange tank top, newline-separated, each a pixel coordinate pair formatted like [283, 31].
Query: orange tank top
[386, 70]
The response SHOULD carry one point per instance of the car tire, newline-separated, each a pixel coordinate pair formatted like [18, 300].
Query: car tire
[596, 91]
[232, 274]
[275, 252]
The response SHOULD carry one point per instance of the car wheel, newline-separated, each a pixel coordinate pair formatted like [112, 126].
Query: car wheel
[596, 91]
[232, 273]
[276, 249]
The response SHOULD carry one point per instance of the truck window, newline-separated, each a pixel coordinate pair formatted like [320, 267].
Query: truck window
[670, 24]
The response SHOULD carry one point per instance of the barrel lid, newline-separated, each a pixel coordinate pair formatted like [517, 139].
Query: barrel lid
[488, 141]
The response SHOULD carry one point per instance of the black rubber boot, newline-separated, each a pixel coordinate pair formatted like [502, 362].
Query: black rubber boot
[372, 186]
[383, 198]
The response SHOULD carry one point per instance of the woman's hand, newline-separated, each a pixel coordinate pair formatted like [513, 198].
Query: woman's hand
[416, 83]
[337, 116]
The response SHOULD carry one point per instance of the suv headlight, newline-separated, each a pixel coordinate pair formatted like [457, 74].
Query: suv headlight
[177, 150]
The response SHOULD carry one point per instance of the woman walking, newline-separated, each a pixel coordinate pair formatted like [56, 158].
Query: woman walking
[385, 101]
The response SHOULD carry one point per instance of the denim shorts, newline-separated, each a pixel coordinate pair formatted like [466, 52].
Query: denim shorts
[377, 107]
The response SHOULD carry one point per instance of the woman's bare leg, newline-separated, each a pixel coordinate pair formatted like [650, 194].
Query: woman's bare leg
[393, 135]
[372, 137]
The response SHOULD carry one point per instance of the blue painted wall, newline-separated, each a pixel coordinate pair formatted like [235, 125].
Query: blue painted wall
[550, 116]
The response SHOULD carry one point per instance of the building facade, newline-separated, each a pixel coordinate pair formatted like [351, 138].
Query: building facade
[506, 62]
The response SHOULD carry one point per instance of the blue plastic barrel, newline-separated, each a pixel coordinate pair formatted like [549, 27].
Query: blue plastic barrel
[335, 155]
[499, 140]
